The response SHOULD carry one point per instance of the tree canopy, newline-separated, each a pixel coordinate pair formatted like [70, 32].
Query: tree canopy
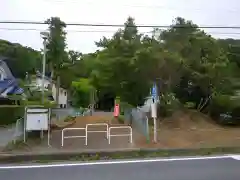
[187, 64]
[23, 59]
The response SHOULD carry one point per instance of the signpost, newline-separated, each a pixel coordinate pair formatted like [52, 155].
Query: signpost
[154, 93]
[154, 110]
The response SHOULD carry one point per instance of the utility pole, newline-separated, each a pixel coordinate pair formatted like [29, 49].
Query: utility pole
[44, 36]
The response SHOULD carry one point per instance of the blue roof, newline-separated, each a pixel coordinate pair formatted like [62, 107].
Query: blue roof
[10, 81]
[17, 90]
[7, 82]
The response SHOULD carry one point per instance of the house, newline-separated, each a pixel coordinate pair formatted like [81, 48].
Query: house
[63, 94]
[8, 83]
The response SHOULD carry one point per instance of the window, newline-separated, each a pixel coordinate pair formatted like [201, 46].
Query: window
[65, 93]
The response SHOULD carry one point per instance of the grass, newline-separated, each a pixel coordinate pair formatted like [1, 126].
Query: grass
[121, 119]
[69, 119]
[19, 144]
[11, 145]
[129, 154]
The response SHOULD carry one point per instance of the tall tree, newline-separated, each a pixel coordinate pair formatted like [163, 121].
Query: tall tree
[56, 46]
[74, 56]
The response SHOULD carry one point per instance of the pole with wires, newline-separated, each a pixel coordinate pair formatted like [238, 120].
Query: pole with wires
[122, 25]
[44, 36]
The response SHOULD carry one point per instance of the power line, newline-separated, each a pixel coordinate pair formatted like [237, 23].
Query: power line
[104, 31]
[119, 25]
[92, 3]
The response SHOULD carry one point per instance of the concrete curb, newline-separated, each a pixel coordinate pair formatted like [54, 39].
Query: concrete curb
[112, 154]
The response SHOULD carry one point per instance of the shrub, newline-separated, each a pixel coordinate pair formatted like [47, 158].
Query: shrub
[168, 104]
[225, 110]
[121, 119]
[82, 90]
[124, 106]
[46, 104]
[10, 114]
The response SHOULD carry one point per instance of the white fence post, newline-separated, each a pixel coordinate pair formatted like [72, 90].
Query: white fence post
[97, 124]
[68, 137]
[120, 127]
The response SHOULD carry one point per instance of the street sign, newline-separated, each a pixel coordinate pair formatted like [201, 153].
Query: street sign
[154, 92]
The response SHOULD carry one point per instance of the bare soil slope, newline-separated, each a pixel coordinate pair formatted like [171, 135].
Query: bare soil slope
[191, 129]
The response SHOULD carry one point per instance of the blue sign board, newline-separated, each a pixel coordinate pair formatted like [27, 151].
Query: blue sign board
[154, 91]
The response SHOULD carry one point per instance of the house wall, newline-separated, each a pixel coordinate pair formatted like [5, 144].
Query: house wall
[62, 100]
[62, 92]
[45, 81]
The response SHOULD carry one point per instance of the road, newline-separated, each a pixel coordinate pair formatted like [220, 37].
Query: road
[213, 168]
[63, 112]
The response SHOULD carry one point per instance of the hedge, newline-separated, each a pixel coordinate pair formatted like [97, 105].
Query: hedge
[10, 114]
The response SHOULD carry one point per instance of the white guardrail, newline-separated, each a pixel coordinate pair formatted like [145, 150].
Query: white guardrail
[94, 131]
[107, 131]
[71, 129]
[115, 135]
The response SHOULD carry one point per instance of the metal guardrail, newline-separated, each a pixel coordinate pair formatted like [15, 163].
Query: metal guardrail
[107, 131]
[94, 131]
[119, 135]
[69, 137]
[137, 119]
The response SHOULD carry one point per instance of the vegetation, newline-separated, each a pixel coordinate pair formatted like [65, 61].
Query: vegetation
[10, 114]
[190, 67]
[109, 155]
[23, 59]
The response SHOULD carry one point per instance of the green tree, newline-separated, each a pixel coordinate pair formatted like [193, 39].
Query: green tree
[81, 90]
[74, 56]
[56, 45]
[21, 59]
[116, 69]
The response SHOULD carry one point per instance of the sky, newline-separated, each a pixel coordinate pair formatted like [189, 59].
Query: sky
[145, 12]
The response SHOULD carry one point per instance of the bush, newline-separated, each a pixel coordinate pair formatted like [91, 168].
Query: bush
[10, 114]
[121, 119]
[82, 90]
[225, 110]
[168, 104]
[124, 106]
[46, 104]
[69, 119]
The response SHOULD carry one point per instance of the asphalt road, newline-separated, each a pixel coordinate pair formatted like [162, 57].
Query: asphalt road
[183, 169]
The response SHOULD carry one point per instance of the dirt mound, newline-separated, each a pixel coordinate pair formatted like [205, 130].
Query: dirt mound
[187, 120]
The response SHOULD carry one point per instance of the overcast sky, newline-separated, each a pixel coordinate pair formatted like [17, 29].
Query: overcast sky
[147, 12]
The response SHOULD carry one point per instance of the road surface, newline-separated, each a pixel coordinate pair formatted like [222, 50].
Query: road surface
[216, 168]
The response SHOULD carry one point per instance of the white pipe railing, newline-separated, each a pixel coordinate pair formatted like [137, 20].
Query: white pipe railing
[72, 129]
[119, 135]
[97, 131]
